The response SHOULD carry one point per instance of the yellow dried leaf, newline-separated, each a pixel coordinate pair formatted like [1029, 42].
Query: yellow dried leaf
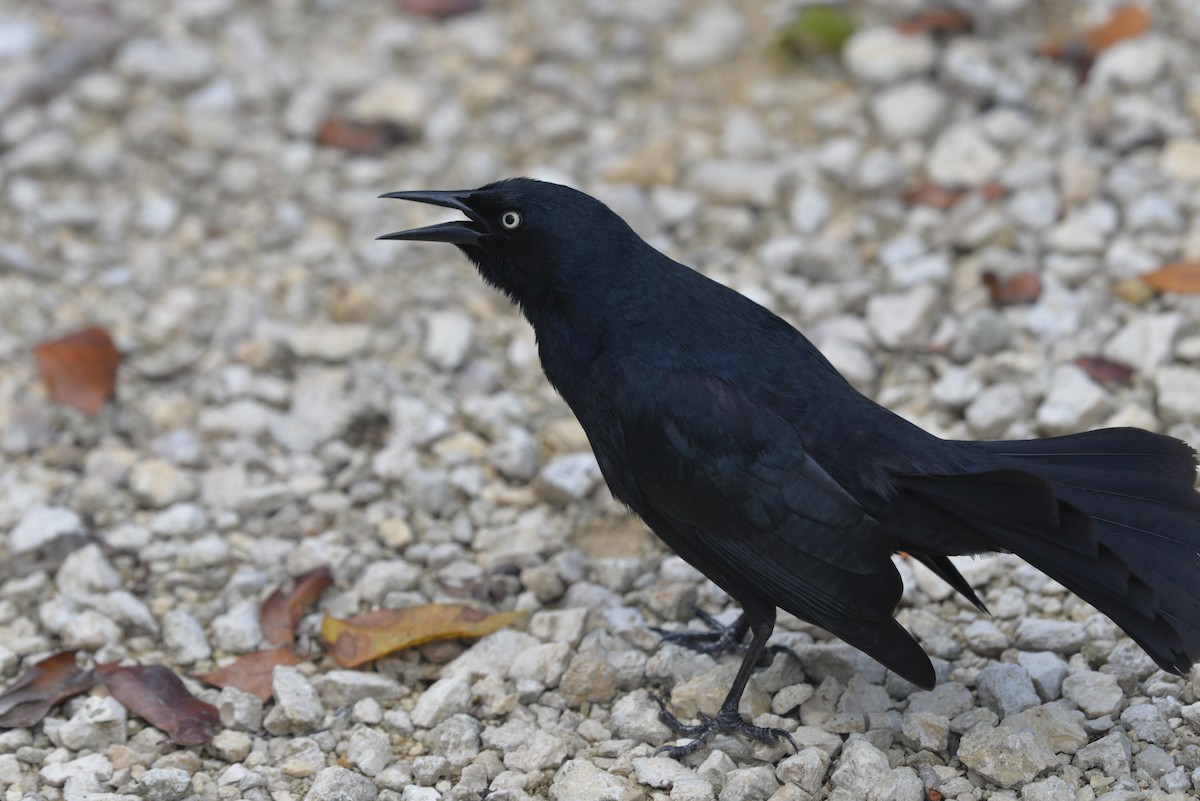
[375, 634]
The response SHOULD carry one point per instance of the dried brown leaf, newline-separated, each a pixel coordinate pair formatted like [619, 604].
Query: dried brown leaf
[80, 369]
[369, 636]
[938, 22]
[45, 685]
[251, 673]
[1081, 49]
[1106, 371]
[439, 9]
[933, 195]
[1018, 290]
[1183, 276]
[155, 694]
[282, 610]
[359, 138]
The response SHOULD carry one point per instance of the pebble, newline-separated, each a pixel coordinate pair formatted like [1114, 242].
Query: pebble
[444, 698]
[1058, 725]
[448, 337]
[329, 342]
[297, 707]
[1059, 636]
[926, 731]
[1112, 754]
[711, 36]
[1004, 756]
[860, 768]
[963, 156]
[340, 784]
[806, 768]
[184, 638]
[994, 410]
[742, 183]
[568, 479]
[1146, 340]
[1130, 64]
[1047, 671]
[86, 571]
[41, 526]
[168, 784]
[1073, 402]
[97, 724]
[1180, 160]
[1147, 723]
[883, 55]
[905, 319]
[908, 110]
[1097, 694]
[1178, 393]
[369, 750]
[747, 784]
[159, 484]
[580, 780]
[1006, 689]
[238, 630]
[174, 64]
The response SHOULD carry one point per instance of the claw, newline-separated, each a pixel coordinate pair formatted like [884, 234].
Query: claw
[726, 722]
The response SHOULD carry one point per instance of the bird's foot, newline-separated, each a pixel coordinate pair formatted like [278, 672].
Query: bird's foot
[727, 721]
[718, 639]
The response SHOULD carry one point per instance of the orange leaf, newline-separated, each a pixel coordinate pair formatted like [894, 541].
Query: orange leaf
[937, 21]
[80, 369]
[1183, 276]
[359, 138]
[1106, 371]
[251, 673]
[1018, 290]
[1126, 22]
[374, 634]
[281, 611]
[155, 694]
[45, 685]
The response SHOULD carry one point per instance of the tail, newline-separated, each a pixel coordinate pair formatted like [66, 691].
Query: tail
[1113, 515]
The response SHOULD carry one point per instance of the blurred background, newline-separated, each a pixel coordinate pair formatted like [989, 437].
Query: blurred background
[987, 215]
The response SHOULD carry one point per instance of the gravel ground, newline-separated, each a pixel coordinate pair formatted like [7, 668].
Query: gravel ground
[294, 393]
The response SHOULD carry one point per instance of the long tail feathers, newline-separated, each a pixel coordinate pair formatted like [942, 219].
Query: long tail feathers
[1113, 515]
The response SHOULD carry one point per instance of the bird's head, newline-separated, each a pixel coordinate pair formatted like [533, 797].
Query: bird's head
[528, 238]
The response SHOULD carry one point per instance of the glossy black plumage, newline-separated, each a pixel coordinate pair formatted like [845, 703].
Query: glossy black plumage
[755, 461]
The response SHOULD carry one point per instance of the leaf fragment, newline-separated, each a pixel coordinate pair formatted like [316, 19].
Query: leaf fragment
[80, 369]
[41, 688]
[158, 696]
[372, 635]
[938, 22]
[1104, 370]
[251, 673]
[816, 30]
[282, 610]
[1182, 276]
[360, 138]
[1017, 290]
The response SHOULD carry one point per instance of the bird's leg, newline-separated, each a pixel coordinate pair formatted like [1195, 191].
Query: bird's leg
[728, 719]
[718, 639]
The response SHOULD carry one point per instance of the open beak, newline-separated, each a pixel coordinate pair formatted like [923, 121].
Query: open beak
[457, 232]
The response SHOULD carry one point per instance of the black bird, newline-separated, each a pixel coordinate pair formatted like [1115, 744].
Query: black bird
[751, 457]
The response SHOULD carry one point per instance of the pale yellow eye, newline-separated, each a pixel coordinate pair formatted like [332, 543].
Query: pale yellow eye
[510, 220]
